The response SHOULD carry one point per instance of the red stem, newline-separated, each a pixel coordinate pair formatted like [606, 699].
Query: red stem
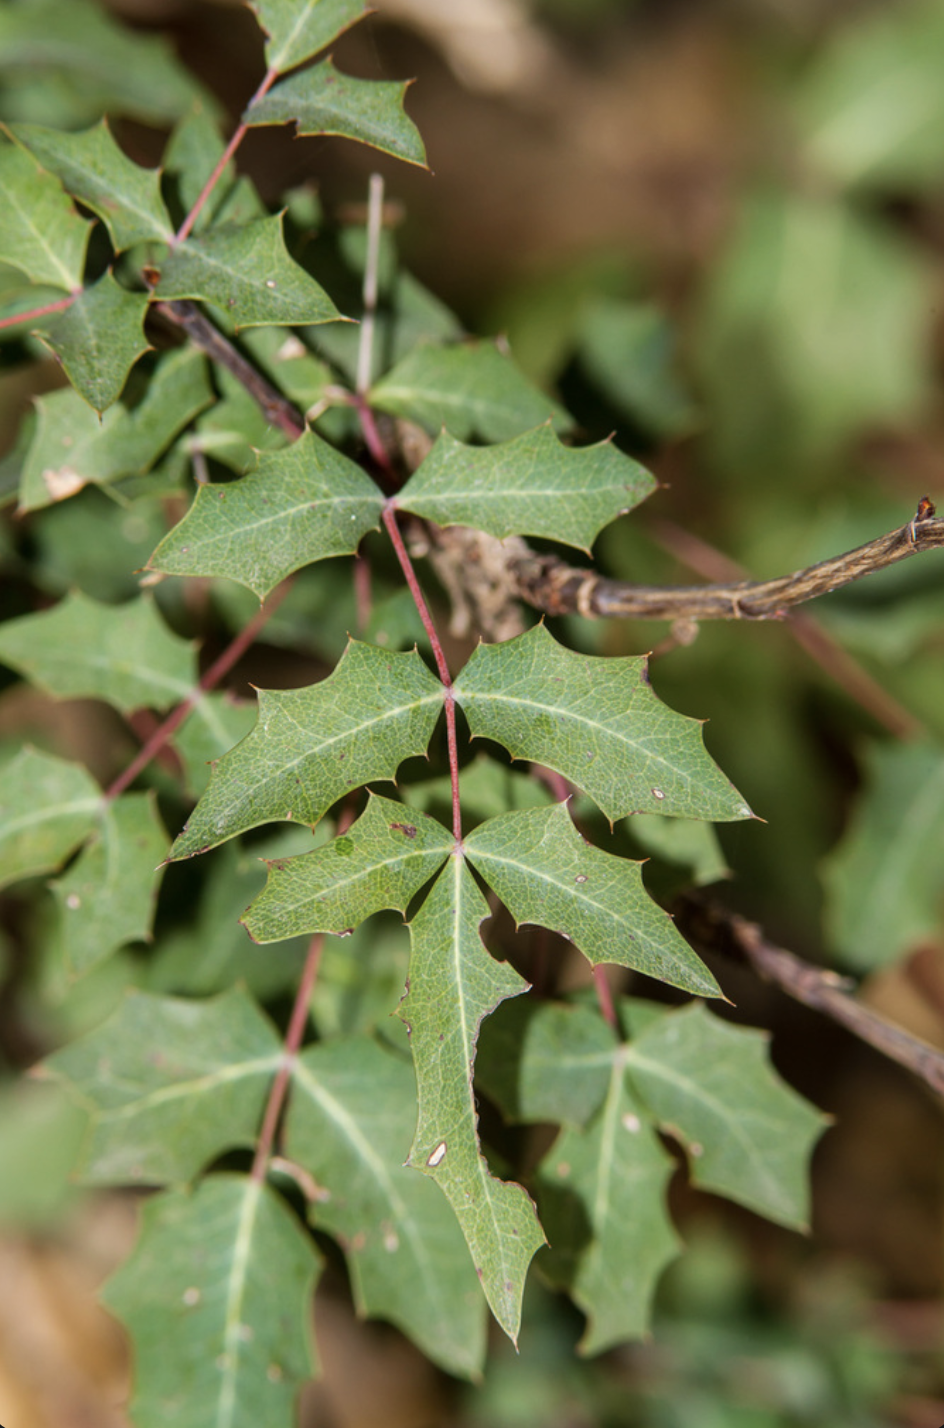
[605, 997]
[57, 306]
[293, 1040]
[239, 134]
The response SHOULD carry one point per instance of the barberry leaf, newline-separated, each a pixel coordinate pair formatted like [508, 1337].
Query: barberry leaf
[470, 388]
[351, 1116]
[93, 169]
[215, 724]
[217, 1299]
[298, 29]
[192, 152]
[41, 234]
[98, 340]
[322, 100]
[81, 649]
[246, 270]
[311, 746]
[602, 1198]
[711, 1086]
[47, 808]
[107, 897]
[382, 861]
[597, 722]
[454, 983]
[547, 874]
[302, 504]
[546, 1061]
[169, 1084]
[532, 485]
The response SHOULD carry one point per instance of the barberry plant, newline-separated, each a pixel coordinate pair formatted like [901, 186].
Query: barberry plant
[295, 1080]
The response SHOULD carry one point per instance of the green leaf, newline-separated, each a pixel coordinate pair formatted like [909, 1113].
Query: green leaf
[382, 861]
[298, 29]
[322, 100]
[545, 1061]
[124, 654]
[303, 504]
[693, 846]
[454, 983]
[597, 722]
[93, 169]
[40, 232]
[107, 897]
[192, 152]
[217, 1299]
[602, 1198]
[628, 350]
[884, 880]
[748, 1135]
[471, 389]
[99, 338]
[169, 1085]
[351, 1116]
[311, 746]
[546, 874]
[47, 808]
[215, 724]
[245, 269]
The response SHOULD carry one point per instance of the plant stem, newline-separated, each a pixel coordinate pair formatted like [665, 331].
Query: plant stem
[35, 312]
[293, 1041]
[365, 350]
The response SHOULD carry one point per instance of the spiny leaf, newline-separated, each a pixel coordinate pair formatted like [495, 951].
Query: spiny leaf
[711, 1085]
[322, 100]
[91, 166]
[124, 654]
[47, 808]
[546, 874]
[602, 1198]
[454, 983]
[312, 745]
[246, 270]
[169, 1084]
[217, 1299]
[99, 338]
[350, 1119]
[545, 1061]
[471, 389]
[107, 897]
[382, 861]
[532, 485]
[40, 232]
[303, 504]
[597, 722]
[298, 29]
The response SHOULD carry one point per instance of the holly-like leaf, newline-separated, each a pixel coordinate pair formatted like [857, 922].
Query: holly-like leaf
[884, 881]
[710, 1084]
[41, 234]
[107, 897]
[217, 1299]
[81, 649]
[169, 1084]
[382, 861]
[602, 1198]
[546, 1061]
[246, 270]
[298, 29]
[302, 504]
[693, 846]
[471, 389]
[546, 874]
[99, 338]
[192, 152]
[532, 485]
[312, 745]
[322, 100]
[93, 169]
[597, 722]
[351, 1116]
[454, 983]
[215, 724]
[47, 808]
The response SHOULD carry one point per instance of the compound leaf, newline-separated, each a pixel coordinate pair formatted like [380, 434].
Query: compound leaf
[322, 100]
[454, 983]
[547, 874]
[47, 808]
[169, 1084]
[217, 1299]
[99, 338]
[597, 722]
[350, 1120]
[298, 29]
[710, 1085]
[382, 861]
[302, 504]
[545, 1061]
[40, 232]
[312, 745]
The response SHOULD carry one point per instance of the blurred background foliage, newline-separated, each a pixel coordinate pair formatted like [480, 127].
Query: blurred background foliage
[715, 228]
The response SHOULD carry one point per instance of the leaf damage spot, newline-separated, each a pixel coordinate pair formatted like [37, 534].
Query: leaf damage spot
[407, 829]
[191, 1296]
[62, 481]
[391, 1240]
[580, 878]
[73, 902]
[696, 1149]
[631, 1123]
[657, 793]
[563, 1169]
[437, 1156]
